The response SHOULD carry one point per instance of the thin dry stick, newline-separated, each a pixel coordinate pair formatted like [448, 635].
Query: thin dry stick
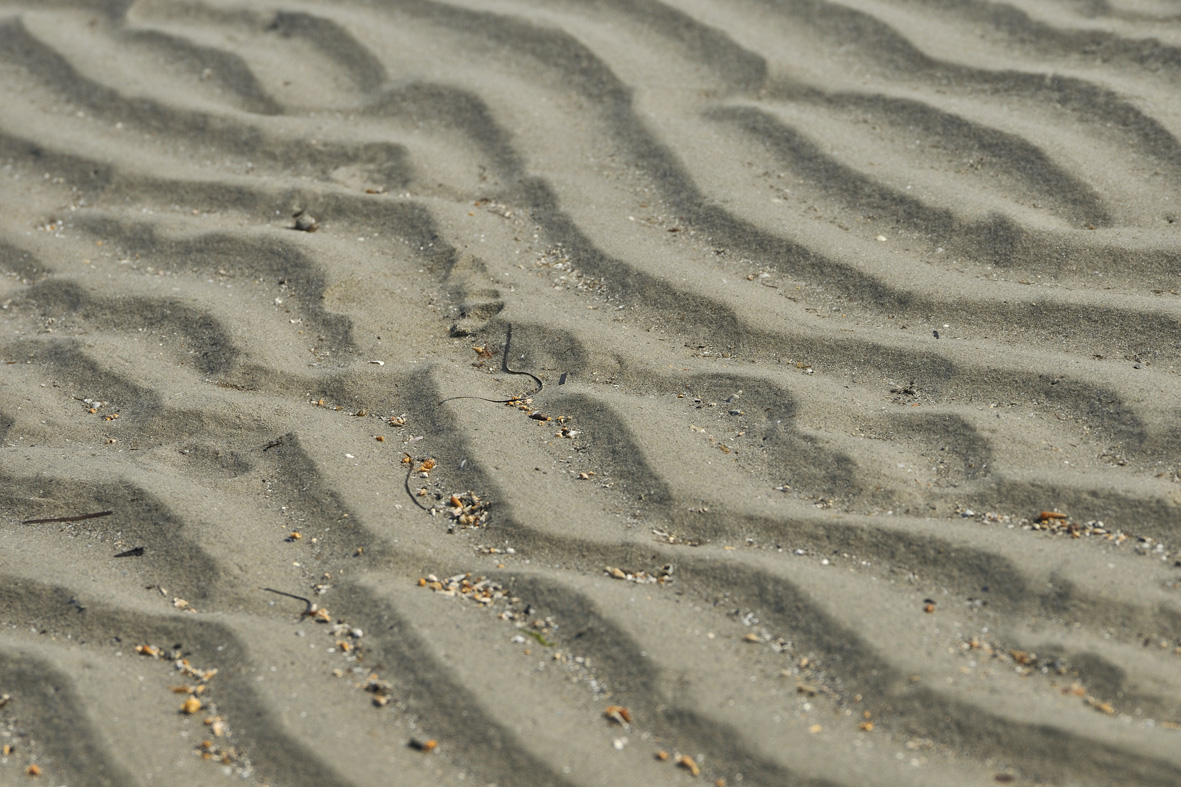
[508, 340]
[504, 367]
[78, 518]
[307, 611]
[413, 497]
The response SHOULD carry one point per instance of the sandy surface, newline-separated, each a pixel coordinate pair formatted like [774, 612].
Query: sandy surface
[827, 303]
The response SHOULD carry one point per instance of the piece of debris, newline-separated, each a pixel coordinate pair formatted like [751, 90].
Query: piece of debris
[304, 221]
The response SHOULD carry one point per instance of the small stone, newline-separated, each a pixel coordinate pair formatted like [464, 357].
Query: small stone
[304, 221]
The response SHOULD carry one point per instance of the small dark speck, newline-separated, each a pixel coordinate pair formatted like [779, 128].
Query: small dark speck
[136, 552]
[935, 334]
[562, 379]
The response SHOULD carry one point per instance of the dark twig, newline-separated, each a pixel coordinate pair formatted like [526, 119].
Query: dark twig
[133, 552]
[504, 362]
[307, 611]
[413, 497]
[504, 367]
[66, 518]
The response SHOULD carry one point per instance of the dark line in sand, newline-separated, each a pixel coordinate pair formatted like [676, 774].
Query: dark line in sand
[409, 473]
[504, 367]
[306, 612]
[508, 340]
[78, 518]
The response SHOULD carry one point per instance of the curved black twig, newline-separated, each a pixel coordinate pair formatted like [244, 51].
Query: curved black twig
[413, 497]
[307, 611]
[504, 362]
[508, 340]
[504, 367]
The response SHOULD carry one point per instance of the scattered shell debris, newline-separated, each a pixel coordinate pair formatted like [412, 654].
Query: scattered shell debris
[197, 701]
[664, 537]
[466, 509]
[347, 641]
[382, 690]
[1028, 663]
[662, 577]
[1060, 524]
[525, 405]
[478, 589]
[487, 550]
[226, 755]
[524, 616]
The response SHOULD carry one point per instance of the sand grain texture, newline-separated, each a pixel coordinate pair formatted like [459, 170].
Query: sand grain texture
[828, 300]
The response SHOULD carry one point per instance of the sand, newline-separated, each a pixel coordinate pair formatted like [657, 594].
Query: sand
[848, 452]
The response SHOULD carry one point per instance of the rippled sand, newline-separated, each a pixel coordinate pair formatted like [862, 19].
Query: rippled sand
[828, 303]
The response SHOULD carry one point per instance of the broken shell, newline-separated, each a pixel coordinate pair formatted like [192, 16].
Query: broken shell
[618, 714]
[33, 770]
[418, 745]
[686, 762]
[662, 755]
[191, 705]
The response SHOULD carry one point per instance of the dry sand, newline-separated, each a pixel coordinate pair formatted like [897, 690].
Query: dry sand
[828, 301]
